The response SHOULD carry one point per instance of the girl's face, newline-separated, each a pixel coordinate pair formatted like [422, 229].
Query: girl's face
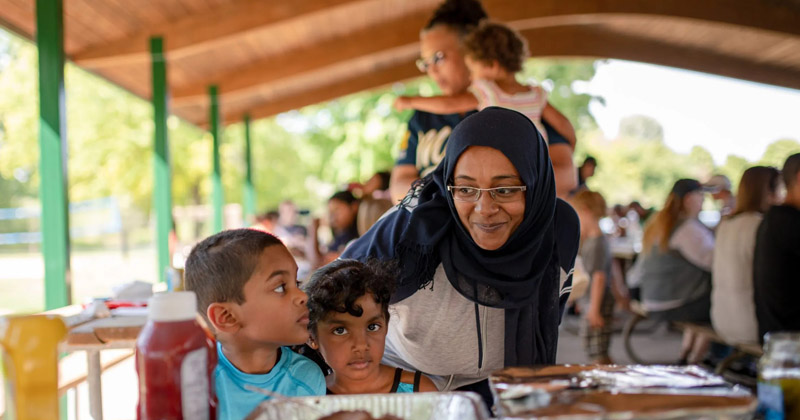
[693, 203]
[449, 71]
[353, 346]
[488, 222]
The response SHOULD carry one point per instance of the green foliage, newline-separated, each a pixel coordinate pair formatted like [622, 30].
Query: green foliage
[777, 152]
[641, 127]
[638, 166]
[560, 78]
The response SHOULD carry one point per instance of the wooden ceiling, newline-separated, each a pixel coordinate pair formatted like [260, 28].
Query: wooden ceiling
[270, 56]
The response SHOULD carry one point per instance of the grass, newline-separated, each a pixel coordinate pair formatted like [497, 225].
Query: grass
[94, 273]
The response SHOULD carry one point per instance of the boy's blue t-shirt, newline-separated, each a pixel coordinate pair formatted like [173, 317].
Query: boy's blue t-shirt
[293, 376]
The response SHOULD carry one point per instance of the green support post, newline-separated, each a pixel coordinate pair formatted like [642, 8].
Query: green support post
[162, 190]
[217, 200]
[53, 154]
[249, 189]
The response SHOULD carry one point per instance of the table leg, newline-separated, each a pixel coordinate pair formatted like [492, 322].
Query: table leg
[95, 389]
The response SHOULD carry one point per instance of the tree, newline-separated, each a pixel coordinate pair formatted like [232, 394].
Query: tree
[777, 152]
[560, 77]
[641, 127]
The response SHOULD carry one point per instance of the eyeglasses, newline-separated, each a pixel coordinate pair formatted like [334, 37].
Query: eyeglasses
[424, 64]
[498, 194]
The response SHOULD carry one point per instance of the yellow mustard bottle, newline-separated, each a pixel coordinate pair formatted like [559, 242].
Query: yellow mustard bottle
[30, 365]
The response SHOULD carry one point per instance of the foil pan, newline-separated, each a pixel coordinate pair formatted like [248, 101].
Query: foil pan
[412, 406]
[618, 392]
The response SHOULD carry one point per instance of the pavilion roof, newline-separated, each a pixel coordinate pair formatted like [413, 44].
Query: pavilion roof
[269, 56]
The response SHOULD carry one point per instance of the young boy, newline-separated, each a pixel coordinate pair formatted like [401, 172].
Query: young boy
[246, 286]
[598, 309]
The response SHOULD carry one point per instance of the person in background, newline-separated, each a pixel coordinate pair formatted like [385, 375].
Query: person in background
[287, 228]
[720, 188]
[246, 286]
[369, 211]
[733, 312]
[586, 171]
[266, 222]
[674, 269]
[494, 53]
[642, 214]
[776, 266]
[441, 50]
[342, 213]
[377, 186]
[598, 306]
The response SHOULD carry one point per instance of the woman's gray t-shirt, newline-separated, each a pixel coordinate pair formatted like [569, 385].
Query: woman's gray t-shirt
[435, 331]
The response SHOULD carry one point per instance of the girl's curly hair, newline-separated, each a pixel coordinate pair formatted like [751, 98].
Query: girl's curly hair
[492, 41]
[461, 16]
[336, 286]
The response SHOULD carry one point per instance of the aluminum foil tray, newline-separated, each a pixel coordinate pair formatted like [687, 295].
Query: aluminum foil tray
[416, 406]
[618, 392]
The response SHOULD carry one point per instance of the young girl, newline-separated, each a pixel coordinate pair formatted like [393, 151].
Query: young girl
[494, 53]
[598, 309]
[348, 303]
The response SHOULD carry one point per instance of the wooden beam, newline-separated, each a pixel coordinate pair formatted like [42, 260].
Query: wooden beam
[593, 41]
[573, 41]
[371, 40]
[771, 15]
[354, 84]
[197, 32]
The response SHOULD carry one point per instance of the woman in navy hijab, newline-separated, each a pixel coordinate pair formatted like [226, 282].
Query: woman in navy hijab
[481, 244]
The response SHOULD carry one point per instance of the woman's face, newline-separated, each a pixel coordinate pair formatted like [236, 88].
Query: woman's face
[488, 222]
[693, 203]
[450, 72]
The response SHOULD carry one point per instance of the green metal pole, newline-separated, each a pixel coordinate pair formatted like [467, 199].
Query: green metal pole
[162, 190]
[53, 153]
[249, 189]
[217, 200]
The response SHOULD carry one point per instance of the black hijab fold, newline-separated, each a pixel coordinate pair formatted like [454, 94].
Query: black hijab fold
[522, 276]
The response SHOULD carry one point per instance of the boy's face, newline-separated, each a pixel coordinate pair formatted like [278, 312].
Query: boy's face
[353, 346]
[274, 310]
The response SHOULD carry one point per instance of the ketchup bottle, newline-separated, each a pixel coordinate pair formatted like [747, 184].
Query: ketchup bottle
[175, 360]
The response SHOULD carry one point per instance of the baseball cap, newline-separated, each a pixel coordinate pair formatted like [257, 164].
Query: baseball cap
[685, 186]
[718, 183]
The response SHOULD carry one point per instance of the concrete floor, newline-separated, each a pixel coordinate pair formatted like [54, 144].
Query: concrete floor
[653, 342]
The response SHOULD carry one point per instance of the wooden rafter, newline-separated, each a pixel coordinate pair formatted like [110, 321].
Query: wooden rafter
[354, 84]
[357, 44]
[198, 31]
[569, 41]
[771, 15]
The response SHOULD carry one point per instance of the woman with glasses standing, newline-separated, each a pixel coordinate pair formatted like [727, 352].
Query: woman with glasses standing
[481, 244]
[442, 58]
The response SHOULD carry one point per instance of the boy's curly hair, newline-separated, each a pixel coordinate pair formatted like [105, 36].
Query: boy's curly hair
[336, 286]
[494, 41]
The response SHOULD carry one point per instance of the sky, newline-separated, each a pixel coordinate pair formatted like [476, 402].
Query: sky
[724, 115]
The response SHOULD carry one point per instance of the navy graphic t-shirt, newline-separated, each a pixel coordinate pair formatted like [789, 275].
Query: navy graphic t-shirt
[426, 139]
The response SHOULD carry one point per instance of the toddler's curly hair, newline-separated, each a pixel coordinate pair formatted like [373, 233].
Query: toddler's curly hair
[494, 41]
[336, 286]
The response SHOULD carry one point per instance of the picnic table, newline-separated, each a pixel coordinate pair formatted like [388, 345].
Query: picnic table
[95, 335]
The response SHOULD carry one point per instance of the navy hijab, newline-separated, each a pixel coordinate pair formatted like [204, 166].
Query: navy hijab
[522, 276]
